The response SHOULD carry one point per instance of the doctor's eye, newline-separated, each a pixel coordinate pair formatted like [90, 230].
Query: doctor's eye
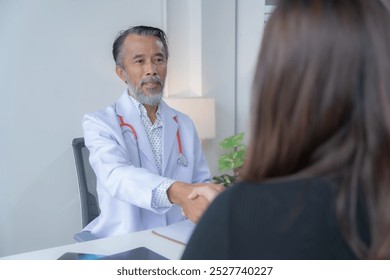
[159, 60]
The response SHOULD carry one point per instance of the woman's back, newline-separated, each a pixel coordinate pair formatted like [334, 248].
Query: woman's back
[282, 220]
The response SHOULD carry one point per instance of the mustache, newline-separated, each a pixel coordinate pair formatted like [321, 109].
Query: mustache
[152, 79]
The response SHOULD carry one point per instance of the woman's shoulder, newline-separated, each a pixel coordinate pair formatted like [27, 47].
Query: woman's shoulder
[282, 183]
[314, 186]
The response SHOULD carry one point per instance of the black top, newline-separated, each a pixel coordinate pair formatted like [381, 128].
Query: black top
[279, 220]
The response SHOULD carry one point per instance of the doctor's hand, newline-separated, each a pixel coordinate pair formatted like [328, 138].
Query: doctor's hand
[209, 191]
[193, 209]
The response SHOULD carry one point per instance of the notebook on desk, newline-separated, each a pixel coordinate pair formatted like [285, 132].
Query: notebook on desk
[179, 232]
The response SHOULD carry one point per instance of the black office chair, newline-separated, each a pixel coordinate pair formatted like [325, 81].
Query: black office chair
[87, 187]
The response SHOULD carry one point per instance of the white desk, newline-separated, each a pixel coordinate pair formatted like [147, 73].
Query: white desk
[109, 246]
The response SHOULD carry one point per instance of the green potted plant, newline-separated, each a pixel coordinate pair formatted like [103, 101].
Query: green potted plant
[233, 159]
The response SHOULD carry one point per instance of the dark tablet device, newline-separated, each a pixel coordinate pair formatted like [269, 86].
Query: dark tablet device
[140, 253]
[79, 256]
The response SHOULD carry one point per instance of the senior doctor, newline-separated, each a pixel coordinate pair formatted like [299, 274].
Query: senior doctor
[147, 156]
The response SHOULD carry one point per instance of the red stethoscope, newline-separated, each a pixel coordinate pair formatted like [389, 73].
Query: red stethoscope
[182, 159]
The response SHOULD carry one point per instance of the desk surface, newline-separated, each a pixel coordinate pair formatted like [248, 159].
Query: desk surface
[109, 246]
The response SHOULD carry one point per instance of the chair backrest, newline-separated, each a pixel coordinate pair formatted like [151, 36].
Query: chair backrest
[87, 182]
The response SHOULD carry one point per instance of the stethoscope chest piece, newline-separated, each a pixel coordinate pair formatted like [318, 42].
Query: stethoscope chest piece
[182, 160]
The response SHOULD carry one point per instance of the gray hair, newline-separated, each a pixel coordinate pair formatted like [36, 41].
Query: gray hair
[138, 30]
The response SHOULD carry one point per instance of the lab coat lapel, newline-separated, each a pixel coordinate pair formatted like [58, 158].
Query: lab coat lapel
[170, 131]
[126, 108]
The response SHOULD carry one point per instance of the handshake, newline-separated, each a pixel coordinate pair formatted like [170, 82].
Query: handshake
[193, 198]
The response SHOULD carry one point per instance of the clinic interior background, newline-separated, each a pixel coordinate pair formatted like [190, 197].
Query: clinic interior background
[56, 65]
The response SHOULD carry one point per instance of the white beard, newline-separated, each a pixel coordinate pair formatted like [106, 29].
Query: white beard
[153, 98]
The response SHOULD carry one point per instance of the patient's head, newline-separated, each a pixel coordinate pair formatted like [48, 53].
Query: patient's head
[321, 89]
[321, 107]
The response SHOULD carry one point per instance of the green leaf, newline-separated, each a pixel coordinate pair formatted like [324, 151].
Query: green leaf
[234, 159]
[225, 179]
[232, 141]
[225, 162]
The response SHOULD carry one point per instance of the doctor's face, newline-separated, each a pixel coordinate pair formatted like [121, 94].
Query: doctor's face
[143, 68]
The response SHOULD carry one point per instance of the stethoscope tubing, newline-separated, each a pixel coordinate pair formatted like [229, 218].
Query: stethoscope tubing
[182, 160]
[122, 123]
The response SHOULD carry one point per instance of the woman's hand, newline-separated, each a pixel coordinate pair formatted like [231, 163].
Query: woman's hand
[209, 191]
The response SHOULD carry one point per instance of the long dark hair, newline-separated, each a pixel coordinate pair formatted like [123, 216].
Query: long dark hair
[321, 106]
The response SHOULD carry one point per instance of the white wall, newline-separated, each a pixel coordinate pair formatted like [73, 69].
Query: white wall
[218, 69]
[56, 65]
[250, 19]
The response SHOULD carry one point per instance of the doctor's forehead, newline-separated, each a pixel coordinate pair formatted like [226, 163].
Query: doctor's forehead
[143, 45]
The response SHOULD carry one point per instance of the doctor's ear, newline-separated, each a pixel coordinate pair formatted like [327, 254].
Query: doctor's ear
[121, 73]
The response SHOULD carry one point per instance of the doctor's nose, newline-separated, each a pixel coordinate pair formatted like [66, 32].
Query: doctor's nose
[151, 69]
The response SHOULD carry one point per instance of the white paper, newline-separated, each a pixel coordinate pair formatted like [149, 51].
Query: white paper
[179, 232]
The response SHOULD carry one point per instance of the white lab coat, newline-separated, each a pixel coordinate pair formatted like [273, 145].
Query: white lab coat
[124, 188]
